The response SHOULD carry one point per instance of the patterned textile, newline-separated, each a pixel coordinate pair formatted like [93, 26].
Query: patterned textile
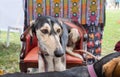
[88, 13]
[95, 19]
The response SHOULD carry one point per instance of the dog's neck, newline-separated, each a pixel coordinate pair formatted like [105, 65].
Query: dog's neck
[98, 65]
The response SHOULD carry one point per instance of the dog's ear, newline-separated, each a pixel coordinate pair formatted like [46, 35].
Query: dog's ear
[64, 36]
[29, 30]
[109, 67]
[32, 31]
[32, 28]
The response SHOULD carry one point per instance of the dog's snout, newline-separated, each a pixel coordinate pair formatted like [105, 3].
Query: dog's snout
[59, 52]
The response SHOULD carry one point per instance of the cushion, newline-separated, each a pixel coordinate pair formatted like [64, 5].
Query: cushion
[32, 56]
[72, 59]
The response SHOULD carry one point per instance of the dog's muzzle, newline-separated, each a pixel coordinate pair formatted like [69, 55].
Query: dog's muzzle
[59, 52]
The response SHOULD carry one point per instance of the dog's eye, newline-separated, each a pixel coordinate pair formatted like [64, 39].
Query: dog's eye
[45, 31]
[58, 30]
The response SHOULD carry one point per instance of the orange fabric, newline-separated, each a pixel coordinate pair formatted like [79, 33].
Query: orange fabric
[32, 56]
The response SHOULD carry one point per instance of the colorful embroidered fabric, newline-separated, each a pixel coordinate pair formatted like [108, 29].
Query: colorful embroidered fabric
[89, 13]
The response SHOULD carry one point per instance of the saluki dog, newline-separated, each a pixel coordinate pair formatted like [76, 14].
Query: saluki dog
[52, 38]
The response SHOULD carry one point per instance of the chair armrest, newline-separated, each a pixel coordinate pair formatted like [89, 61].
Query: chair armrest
[28, 43]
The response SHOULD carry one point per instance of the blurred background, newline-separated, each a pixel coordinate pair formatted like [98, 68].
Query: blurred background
[11, 13]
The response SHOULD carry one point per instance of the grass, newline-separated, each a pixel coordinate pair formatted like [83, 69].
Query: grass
[111, 31]
[9, 57]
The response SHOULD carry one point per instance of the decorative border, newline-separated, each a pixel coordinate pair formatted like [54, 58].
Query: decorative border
[75, 10]
[57, 8]
[93, 10]
[40, 7]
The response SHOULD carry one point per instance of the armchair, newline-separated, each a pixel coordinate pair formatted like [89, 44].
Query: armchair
[29, 51]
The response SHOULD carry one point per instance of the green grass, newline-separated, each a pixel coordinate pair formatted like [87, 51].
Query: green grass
[9, 57]
[111, 31]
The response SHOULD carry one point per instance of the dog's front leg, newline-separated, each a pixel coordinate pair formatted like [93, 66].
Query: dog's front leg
[41, 64]
[49, 63]
[59, 64]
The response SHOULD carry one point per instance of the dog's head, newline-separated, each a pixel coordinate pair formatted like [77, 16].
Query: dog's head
[74, 35]
[51, 33]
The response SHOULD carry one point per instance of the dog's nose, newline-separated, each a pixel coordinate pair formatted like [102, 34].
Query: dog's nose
[59, 52]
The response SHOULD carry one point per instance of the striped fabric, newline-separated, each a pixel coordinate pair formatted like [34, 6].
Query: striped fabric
[89, 13]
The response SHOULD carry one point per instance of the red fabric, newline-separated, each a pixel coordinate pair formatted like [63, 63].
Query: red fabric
[29, 45]
[72, 59]
[117, 46]
[32, 56]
